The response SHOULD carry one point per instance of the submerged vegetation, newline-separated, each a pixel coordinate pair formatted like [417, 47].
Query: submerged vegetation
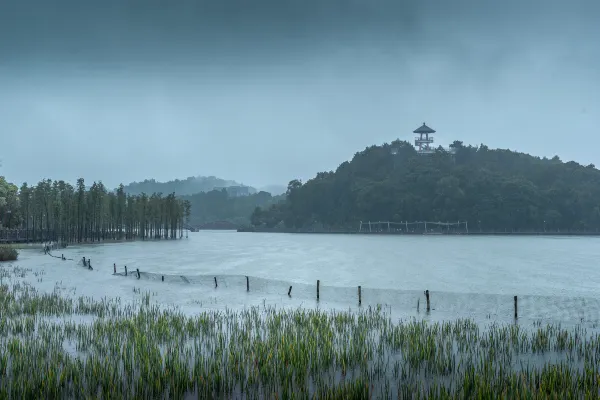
[55, 346]
[56, 210]
[493, 190]
[8, 253]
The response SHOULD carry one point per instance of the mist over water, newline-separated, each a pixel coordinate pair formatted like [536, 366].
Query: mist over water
[474, 277]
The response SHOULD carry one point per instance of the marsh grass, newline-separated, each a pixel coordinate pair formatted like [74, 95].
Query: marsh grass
[57, 346]
[8, 253]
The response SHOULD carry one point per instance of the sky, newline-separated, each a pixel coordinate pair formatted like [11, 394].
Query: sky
[265, 91]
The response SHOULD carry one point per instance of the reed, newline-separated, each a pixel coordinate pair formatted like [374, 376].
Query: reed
[55, 346]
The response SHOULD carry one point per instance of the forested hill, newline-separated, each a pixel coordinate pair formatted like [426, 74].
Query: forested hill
[189, 186]
[209, 201]
[491, 189]
[217, 205]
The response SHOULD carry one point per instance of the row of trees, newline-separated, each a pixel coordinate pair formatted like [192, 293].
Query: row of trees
[56, 210]
[494, 190]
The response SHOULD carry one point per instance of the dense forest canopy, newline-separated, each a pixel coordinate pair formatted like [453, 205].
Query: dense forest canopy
[491, 189]
[209, 201]
[56, 210]
[26, 208]
[188, 186]
[217, 205]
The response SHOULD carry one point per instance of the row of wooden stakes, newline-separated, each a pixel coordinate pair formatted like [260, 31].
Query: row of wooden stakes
[427, 296]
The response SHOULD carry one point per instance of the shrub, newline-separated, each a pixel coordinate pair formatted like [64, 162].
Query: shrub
[8, 253]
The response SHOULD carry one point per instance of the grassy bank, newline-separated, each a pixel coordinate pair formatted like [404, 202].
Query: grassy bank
[8, 253]
[54, 346]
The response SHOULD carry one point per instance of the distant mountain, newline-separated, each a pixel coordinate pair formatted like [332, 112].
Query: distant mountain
[275, 190]
[185, 187]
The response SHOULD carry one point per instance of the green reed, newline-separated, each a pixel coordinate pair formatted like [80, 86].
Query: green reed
[55, 346]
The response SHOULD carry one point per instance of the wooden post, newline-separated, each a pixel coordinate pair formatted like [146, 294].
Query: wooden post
[115, 268]
[359, 296]
[216, 282]
[516, 313]
[318, 284]
[163, 278]
[126, 270]
[427, 299]
[138, 271]
[247, 284]
[290, 292]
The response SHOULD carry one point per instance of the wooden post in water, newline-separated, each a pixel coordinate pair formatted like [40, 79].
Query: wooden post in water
[115, 268]
[359, 296]
[427, 299]
[126, 270]
[247, 284]
[216, 281]
[163, 278]
[318, 284]
[290, 292]
[138, 271]
[516, 313]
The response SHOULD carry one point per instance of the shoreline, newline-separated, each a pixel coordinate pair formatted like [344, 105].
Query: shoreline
[349, 232]
[75, 336]
[40, 245]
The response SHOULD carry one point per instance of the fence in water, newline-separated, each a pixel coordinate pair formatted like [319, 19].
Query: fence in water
[402, 303]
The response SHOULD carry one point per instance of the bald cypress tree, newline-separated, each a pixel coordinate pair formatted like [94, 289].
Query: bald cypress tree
[55, 210]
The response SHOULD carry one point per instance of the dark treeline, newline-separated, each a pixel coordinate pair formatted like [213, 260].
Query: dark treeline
[218, 205]
[56, 210]
[494, 190]
[182, 187]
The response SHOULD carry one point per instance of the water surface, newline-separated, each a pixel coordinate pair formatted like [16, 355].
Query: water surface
[555, 278]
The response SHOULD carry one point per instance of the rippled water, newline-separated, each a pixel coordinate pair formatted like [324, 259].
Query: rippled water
[555, 278]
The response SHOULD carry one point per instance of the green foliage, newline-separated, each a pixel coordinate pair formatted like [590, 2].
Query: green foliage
[8, 253]
[185, 187]
[211, 199]
[56, 210]
[217, 205]
[491, 189]
[9, 201]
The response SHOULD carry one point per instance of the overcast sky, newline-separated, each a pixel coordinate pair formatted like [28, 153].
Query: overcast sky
[264, 91]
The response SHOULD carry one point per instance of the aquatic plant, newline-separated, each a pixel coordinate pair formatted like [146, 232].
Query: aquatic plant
[56, 346]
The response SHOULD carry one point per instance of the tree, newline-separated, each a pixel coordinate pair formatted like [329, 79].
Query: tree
[55, 210]
[9, 203]
[492, 188]
[218, 205]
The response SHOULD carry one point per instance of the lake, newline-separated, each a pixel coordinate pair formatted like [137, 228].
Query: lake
[555, 278]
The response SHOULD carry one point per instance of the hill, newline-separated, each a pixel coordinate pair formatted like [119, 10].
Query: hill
[275, 190]
[189, 186]
[491, 189]
[218, 206]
